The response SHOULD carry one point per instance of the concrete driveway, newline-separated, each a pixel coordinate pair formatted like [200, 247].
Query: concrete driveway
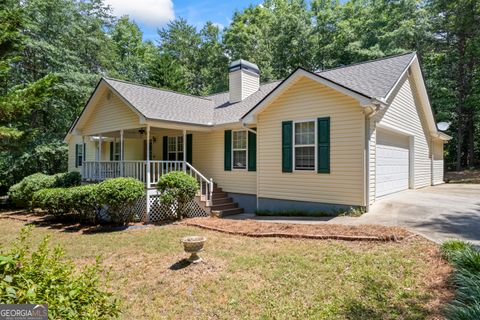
[439, 213]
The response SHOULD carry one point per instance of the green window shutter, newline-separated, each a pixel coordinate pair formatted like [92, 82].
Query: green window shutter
[287, 146]
[165, 148]
[323, 145]
[227, 160]
[252, 151]
[76, 155]
[84, 154]
[111, 150]
[189, 148]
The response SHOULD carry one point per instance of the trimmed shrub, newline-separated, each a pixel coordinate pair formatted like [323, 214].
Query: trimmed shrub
[21, 194]
[44, 275]
[55, 201]
[178, 189]
[119, 195]
[85, 202]
[68, 179]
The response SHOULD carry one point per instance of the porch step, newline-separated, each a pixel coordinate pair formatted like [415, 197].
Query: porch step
[224, 206]
[218, 195]
[226, 212]
[216, 201]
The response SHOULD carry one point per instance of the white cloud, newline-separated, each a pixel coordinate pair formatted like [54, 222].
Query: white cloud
[149, 12]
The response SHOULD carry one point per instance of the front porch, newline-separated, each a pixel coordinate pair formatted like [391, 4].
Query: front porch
[126, 153]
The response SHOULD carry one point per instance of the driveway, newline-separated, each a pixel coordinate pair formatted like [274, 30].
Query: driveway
[447, 211]
[439, 213]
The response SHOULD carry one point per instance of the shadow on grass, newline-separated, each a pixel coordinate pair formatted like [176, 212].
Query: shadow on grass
[179, 265]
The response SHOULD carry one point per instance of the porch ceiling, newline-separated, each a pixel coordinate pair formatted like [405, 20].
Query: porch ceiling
[135, 133]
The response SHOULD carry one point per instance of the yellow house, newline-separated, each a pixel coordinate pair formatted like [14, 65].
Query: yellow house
[316, 141]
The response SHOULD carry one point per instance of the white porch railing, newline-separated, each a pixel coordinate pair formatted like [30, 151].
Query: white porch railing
[101, 170]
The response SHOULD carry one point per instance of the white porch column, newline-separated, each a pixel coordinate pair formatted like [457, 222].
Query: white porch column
[82, 169]
[99, 165]
[184, 150]
[121, 153]
[147, 197]
[148, 156]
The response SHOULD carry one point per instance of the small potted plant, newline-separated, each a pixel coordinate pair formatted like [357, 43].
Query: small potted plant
[193, 245]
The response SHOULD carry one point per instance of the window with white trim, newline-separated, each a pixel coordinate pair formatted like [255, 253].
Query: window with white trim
[116, 151]
[175, 148]
[239, 149]
[304, 145]
[79, 155]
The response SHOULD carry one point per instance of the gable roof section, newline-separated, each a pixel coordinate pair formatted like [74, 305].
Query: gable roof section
[374, 79]
[158, 104]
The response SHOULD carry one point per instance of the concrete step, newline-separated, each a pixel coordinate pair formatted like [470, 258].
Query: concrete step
[226, 212]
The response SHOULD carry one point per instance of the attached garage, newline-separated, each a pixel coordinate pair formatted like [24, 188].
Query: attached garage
[392, 163]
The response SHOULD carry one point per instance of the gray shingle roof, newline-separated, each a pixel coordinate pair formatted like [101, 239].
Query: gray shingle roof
[161, 104]
[373, 79]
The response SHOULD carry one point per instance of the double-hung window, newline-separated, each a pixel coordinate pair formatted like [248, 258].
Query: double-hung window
[79, 154]
[239, 149]
[304, 145]
[175, 148]
[116, 152]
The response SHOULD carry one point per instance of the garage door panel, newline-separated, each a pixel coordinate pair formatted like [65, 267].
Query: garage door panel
[392, 158]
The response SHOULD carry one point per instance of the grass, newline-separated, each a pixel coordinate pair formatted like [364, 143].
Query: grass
[466, 305]
[269, 278]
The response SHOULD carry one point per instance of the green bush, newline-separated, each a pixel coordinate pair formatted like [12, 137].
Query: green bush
[68, 179]
[466, 278]
[21, 193]
[84, 201]
[54, 200]
[178, 189]
[119, 195]
[45, 276]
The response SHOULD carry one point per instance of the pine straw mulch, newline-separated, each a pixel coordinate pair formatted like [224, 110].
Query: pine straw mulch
[254, 228]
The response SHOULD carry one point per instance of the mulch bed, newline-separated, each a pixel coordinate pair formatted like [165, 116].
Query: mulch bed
[467, 176]
[254, 228]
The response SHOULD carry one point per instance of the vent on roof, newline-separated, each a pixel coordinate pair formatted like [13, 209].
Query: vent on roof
[243, 79]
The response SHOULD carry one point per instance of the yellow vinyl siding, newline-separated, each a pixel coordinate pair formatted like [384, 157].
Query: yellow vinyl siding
[405, 114]
[110, 115]
[208, 155]
[308, 99]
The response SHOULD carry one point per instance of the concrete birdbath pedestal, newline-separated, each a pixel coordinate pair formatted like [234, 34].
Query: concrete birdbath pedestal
[193, 245]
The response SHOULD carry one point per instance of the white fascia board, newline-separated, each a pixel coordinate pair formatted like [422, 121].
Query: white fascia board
[250, 118]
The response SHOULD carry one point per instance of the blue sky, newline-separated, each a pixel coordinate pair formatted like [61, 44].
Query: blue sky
[153, 14]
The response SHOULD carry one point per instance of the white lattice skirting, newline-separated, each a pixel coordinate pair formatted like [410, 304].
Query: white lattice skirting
[159, 211]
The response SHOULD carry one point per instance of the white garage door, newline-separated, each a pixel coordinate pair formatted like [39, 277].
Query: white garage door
[392, 163]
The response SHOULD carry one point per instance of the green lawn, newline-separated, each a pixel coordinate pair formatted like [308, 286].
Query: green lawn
[268, 278]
